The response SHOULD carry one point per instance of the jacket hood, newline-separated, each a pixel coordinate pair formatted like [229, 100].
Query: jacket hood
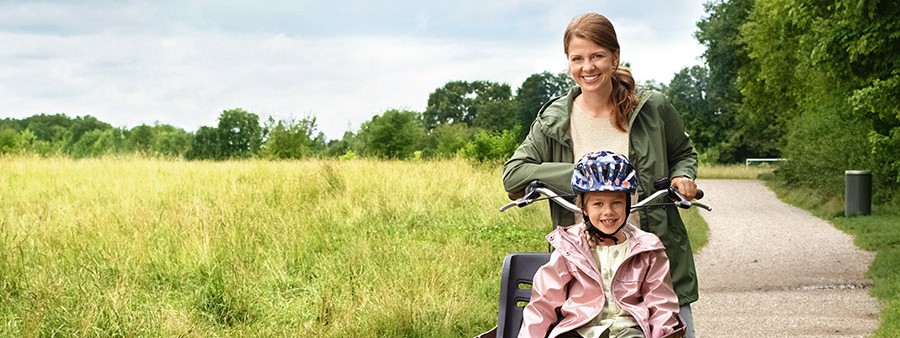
[554, 120]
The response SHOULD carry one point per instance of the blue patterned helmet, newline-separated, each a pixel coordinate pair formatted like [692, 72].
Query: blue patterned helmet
[604, 171]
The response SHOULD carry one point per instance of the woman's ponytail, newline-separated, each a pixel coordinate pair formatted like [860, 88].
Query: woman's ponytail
[623, 96]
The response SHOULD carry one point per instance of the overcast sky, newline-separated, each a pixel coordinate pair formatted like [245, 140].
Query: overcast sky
[184, 62]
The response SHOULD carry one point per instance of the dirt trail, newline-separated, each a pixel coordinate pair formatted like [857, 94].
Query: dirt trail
[773, 270]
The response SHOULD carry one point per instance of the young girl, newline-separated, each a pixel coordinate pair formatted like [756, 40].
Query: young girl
[606, 277]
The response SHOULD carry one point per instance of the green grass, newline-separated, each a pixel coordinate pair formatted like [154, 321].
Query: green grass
[151, 248]
[878, 232]
[697, 228]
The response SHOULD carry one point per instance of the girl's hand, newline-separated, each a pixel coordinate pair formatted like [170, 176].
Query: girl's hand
[685, 186]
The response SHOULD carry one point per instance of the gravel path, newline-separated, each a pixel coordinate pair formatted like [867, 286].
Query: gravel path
[773, 270]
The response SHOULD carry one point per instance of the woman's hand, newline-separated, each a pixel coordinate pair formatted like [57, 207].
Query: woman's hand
[685, 186]
[515, 195]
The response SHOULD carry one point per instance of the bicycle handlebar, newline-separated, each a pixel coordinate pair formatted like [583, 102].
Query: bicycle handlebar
[677, 199]
[535, 189]
[533, 194]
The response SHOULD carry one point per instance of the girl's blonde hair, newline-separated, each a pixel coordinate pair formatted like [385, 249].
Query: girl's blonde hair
[599, 30]
[591, 240]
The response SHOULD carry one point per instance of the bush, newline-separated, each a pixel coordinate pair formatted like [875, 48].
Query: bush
[10, 141]
[821, 144]
[492, 146]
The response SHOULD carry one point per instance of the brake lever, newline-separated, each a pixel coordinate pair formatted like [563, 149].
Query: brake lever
[679, 199]
[683, 203]
[531, 192]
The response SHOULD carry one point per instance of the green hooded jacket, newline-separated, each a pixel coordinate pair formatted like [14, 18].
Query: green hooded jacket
[658, 147]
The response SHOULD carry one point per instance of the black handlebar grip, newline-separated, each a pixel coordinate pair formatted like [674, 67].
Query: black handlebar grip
[699, 194]
[661, 183]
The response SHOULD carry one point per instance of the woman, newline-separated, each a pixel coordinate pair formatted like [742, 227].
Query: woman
[606, 111]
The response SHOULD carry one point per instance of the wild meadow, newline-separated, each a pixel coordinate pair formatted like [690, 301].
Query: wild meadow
[136, 247]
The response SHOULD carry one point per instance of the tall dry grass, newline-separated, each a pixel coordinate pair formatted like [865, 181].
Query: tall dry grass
[139, 247]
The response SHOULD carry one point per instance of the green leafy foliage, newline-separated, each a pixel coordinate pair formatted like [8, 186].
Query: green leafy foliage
[292, 139]
[396, 134]
[727, 140]
[536, 90]
[170, 141]
[461, 102]
[95, 143]
[10, 141]
[688, 93]
[205, 144]
[448, 140]
[239, 133]
[821, 86]
[488, 146]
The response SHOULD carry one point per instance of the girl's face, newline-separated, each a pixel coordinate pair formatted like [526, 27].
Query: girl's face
[591, 65]
[606, 209]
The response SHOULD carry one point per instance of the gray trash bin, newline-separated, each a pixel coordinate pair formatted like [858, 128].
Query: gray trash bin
[857, 192]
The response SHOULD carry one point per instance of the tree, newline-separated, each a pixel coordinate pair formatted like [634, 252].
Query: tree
[711, 131]
[396, 134]
[446, 140]
[536, 90]
[496, 115]
[347, 143]
[140, 138]
[239, 134]
[460, 101]
[726, 55]
[205, 145]
[292, 139]
[488, 146]
[725, 52]
[170, 141]
[82, 125]
[96, 142]
[10, 141]
[822, 81]
[48, 128]
[688, 94]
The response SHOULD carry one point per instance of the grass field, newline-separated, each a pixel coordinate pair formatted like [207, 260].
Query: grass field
[140, 247]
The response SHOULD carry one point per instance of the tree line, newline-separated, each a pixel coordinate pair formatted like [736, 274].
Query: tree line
[815, 82]
[478, 120]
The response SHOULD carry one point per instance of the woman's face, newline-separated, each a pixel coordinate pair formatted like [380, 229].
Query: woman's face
[591, 65]
[606, 209]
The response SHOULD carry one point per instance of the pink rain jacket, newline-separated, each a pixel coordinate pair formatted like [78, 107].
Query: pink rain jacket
[641, 286]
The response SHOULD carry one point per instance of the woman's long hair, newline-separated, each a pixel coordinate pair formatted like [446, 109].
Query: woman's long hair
[598, 29]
